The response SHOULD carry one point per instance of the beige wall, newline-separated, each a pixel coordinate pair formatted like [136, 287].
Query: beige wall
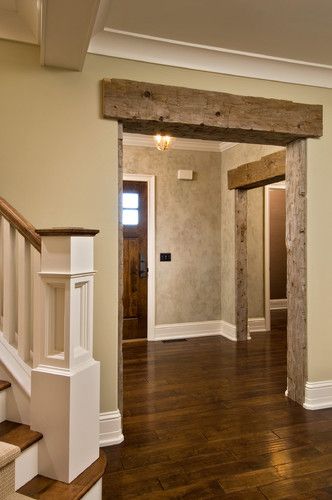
[58, 165]
[188, 226]
[232, 158]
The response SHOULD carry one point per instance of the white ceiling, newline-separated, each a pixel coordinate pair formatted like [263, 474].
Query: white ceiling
[290, 29]
[282, 40]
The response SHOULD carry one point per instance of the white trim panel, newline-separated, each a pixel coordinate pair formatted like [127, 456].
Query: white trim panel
[318, 395]
[110, 428]
[277, 304]
[138, 47]
[257, 325]
[195, 329]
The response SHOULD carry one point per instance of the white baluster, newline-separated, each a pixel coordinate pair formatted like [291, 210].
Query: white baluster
[35, 304]
[1, 271]
[23, 297]
[9, 282]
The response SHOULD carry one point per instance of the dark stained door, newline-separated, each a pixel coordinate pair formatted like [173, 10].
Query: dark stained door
[134, 218]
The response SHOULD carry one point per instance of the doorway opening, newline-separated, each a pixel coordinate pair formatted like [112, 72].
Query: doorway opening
[275, 262]
[146, 108]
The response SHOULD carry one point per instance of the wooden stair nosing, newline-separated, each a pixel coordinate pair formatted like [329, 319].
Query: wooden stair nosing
[18, 434]
[44, 488]
[4, 385]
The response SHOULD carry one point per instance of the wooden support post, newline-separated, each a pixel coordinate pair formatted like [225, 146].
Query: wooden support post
[120, 278]
[296, 269]
[241, 278]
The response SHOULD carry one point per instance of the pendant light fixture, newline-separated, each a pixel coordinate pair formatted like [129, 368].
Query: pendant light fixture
[162, 142]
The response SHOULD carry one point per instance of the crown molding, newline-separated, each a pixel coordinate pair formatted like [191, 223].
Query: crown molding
[138, 47]
[147, 141]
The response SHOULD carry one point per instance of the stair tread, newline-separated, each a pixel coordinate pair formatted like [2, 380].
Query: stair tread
[42, 487]
[18, 434]
[4, 385]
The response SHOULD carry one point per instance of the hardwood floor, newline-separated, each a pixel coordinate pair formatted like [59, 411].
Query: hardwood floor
[207, 418]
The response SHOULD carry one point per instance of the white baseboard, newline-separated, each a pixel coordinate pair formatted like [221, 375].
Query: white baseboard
[110, 428]
[256, 325]
[228, 330]
[196, 329]
[190, 330]
[276, 304]
[318, 395]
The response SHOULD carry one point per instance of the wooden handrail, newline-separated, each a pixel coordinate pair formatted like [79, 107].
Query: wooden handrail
[20, 223]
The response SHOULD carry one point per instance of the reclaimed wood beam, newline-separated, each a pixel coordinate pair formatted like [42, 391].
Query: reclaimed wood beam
[269, 169]
[241, 270]
[147, 108]
[296, 236]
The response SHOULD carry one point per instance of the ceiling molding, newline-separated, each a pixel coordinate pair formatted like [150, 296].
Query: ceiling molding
[138, 47]
[147, 141]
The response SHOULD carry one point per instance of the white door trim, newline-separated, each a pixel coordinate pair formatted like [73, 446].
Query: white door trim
[150, 180]
[267, 258]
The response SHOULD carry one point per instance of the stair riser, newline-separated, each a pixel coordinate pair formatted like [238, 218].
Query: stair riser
[3, 406]
[95, 493]
[26, 466]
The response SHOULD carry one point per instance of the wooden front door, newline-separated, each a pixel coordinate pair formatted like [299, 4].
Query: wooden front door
[134, 218]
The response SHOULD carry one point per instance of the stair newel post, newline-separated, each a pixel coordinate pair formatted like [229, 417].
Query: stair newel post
[65, 379]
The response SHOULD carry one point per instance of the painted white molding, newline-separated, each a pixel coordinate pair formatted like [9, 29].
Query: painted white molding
[228, 330]
[267, 285]
[195, 329]
[276, 304]
[257, 325]
[147, 141]
[15, 365]
[150, 179]
[318, 395]
[110, 428]
[138, 47]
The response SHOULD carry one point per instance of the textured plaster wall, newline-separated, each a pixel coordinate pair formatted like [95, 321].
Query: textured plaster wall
[188, 225]
[232, 158]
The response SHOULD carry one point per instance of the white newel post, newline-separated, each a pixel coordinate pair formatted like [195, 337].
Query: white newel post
[65, 378]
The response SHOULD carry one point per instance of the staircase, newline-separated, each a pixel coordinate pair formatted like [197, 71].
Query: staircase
[49, 398]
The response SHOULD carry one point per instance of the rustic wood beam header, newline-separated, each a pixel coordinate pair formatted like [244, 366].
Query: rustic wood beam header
[148, 108]
[268, 169]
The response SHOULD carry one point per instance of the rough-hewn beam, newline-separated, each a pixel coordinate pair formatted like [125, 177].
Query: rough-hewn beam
[120, 275]
[148, 108]
[296, 270]
[268, 169]
[241, 271]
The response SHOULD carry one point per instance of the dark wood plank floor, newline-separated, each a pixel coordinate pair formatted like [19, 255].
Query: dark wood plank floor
[207, 418]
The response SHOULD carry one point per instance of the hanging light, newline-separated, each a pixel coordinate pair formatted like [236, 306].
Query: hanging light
[162, 142]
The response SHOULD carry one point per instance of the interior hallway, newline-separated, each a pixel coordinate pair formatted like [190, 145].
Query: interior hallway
[207, 418]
